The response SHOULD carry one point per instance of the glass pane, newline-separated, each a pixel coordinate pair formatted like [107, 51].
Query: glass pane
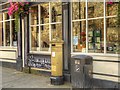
[44, 38]
[56, 31]
[78, 10]
[95, 9]
[34, 15]
[5, 6]
[6, 16]
[96, 36]
[35, 38]
[79, 36]
[7, 33]
[13, 16]
[111, 9]
[1, 17]
[44, 13]
[56, 12]
[14, 34]
[1, 34]
[112, 35]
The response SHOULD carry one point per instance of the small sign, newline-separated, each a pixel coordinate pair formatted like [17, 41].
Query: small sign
[53, 54]
[77, 68]
[75, 40]
[77, 61]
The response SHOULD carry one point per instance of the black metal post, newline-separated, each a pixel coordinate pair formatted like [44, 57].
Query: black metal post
[26, 38]
[66, 27]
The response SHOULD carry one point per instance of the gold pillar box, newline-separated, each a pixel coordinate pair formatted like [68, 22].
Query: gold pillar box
[56, 61]
[56, 57]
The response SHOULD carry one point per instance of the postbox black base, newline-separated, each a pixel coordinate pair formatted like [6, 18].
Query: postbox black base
[57, 80]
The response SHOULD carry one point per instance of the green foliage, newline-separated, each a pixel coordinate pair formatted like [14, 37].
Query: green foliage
[17, 9]
[16, 22]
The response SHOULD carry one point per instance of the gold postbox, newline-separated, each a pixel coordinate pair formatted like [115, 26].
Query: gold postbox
[56, 57]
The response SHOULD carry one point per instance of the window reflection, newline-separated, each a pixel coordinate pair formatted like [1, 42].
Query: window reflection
[1, 34]
[96, 36]
[6, 16]
[14, 34]
[95, 9]
[45, 38]
[112, 35]
[111, 9]
[56, 31]
[44, 13]
[34, 38]
[1, 16]
[78, 10]
[34, 15]
[7, 33]
[79, 36]
[56, 12]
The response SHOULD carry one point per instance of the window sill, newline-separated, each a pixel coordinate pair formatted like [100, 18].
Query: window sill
[99, 56]
[8, 48]
[41, 69]
[40, 52]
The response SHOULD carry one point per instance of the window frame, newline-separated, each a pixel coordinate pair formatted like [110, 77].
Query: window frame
[4, 30]
[39, 25]
[87, 19]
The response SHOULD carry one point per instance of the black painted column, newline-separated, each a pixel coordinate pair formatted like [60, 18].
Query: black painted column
[26, 50]
[19, 47]
[66, 24]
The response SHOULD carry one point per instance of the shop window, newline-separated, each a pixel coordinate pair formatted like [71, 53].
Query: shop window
[56, 31]
[48, 27]
[56, 20]
[79, 36]
[1, 16]
[56, 12]
[14, 34]
[6, 16]
[112, 35]
[5, 5]
[44, 13]
[78, 10]
[111, 9]
[1, 34]
[13, 16]
[101, 29]
[34, 15]
[95, 9]
[45, 38]
[96, 36]
[7, 33]
[34, 38]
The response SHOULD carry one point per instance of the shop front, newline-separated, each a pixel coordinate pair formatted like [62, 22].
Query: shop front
[45, 24]
[89, 28]
[95, 32]
[47, 21]
[8, 37]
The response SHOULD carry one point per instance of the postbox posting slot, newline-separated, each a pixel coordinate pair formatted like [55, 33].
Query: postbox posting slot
[53, 44]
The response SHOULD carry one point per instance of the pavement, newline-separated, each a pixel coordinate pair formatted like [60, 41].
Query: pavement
[15, 79]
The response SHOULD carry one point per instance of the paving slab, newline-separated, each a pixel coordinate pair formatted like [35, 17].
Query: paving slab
[15, 79]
